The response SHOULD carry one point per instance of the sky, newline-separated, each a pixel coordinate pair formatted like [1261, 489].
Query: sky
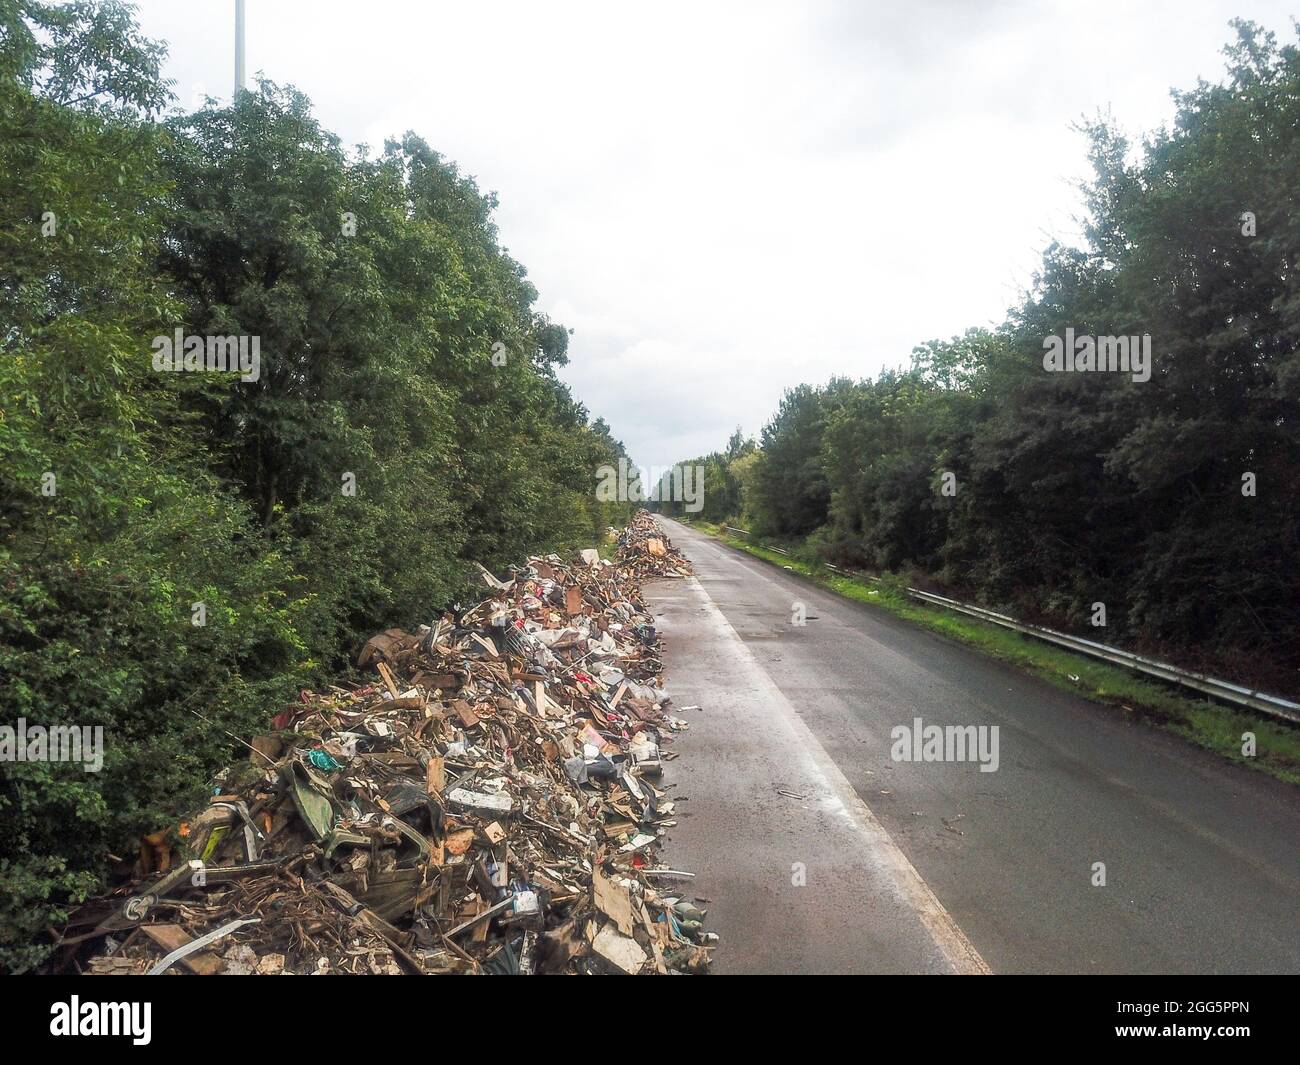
[724, 200]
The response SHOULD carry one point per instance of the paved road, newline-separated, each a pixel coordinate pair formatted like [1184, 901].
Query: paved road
[823, 854]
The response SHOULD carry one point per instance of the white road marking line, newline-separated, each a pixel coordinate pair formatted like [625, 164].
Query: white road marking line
[950, 940]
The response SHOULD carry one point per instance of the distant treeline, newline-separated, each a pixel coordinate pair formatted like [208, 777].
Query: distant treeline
[181, 551]
[1175, 501]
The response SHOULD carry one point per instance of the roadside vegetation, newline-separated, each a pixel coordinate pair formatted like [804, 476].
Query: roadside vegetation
[405, 418]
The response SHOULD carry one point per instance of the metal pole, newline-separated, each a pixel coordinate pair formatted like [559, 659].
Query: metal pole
[239, 46]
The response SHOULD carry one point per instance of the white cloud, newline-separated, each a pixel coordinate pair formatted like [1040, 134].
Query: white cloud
[727, 199]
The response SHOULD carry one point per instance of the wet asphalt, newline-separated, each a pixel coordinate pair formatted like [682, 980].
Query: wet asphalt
[822, 853]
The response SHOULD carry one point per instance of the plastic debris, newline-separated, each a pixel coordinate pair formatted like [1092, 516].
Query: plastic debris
[488, 799]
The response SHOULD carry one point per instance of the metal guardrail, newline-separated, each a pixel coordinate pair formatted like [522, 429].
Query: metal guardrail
[745, 532]
[1272, 705]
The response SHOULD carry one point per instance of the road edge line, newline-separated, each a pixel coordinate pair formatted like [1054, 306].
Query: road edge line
[951, 941]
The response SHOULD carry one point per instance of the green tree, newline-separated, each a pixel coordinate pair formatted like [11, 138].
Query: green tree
[112, 526]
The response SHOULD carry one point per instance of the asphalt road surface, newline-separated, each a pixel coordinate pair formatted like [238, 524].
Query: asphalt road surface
[821, 853]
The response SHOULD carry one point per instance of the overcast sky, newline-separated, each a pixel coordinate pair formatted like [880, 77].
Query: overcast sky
[723, 200]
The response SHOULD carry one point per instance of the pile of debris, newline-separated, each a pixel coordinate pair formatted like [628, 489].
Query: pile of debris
[646, 552]
[492, 803]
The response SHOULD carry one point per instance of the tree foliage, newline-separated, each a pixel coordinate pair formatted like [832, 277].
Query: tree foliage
[1076, 488]
[405, 352]
[714, 480]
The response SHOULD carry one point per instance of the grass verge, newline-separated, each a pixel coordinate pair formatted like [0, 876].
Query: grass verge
[1207, 724]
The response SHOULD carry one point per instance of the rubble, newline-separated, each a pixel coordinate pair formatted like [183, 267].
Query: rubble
[492, 801]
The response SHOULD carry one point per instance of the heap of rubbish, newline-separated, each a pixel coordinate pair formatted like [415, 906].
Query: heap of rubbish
[491, 802]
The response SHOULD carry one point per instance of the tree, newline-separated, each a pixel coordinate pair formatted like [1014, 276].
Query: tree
[179, 552]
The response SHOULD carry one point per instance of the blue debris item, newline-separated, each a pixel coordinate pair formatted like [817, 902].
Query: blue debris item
[322, 759]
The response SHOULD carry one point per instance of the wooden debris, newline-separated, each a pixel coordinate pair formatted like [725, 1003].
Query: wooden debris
[481, 805]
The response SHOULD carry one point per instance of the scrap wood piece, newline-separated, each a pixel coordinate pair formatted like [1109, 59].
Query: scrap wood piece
[172, 937]
[409, 702]
[487, 645]
[465, 712]
[435, 777]
[195, 945]
[614, 901]
[573, 602]
[390, 682]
